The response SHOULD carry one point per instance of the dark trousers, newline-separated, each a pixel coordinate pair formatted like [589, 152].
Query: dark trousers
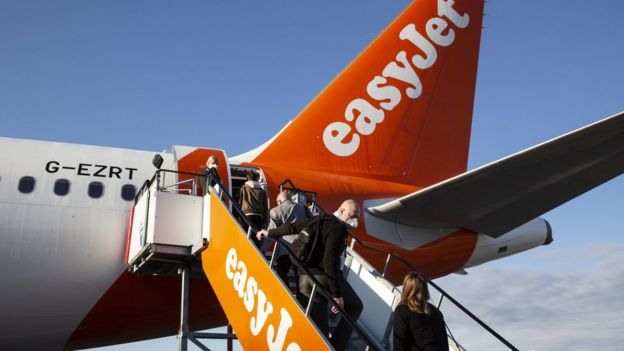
[319, 312]
[282, 267]
[258, 222]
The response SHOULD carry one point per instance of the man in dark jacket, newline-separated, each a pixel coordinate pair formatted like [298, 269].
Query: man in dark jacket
[326, 269]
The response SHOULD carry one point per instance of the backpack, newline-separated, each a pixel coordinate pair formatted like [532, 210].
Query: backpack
[307, 243]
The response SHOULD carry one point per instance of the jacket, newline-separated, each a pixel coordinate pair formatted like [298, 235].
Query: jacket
[334, 235]
[418, 331]
[253, 199]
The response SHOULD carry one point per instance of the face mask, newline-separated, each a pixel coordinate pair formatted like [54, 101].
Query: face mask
[352, 222]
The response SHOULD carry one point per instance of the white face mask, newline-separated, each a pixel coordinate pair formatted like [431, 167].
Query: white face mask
[350, 222]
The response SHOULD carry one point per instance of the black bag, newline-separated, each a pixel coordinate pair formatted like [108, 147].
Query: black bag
[307, 244]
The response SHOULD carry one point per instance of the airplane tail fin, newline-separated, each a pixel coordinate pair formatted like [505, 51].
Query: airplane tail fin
[402, 111]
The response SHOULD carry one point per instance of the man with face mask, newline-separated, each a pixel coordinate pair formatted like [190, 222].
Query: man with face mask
[326, 269]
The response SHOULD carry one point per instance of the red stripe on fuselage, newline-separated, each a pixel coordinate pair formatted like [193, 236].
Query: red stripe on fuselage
[140, 307]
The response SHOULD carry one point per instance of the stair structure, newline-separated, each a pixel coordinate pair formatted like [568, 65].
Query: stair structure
[177, 229]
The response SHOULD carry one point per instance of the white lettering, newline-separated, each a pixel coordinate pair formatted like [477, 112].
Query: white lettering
[239, 278]
[435, 27]
[263, 310]
[254, 297]
[384, 93]
[250, 291]
[410, 33]
[366, 115]
[445, 8]
[405, 73]
[334, 136]
[230, 263]
[276, 341]
[293, 347]
[340, 138]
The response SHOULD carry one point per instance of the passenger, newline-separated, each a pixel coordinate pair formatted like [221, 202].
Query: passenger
[285, 212]
[333, 230]
[418, 325]
[254, 204]
[212, 164]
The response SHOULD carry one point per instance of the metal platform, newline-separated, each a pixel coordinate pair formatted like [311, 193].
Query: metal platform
[163, 259]
[166, 230]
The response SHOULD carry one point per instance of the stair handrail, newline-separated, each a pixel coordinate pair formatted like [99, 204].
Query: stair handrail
[390, 254]
[156, 178]
[434, 285]
[294, 187]
[413, 268]
[319, 288]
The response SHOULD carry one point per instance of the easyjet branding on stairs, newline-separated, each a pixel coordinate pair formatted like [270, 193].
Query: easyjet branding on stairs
[339, 137]
[262, 311]
[258, 305]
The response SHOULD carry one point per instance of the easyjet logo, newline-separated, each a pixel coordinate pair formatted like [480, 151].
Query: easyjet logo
[256, 303]
[362, 117]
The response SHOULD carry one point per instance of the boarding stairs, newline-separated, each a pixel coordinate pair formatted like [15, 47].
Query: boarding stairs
[183, 232]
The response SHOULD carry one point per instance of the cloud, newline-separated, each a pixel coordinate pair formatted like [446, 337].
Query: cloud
[567, 299]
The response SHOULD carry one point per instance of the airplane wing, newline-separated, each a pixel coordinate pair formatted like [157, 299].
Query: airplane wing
[507, 193]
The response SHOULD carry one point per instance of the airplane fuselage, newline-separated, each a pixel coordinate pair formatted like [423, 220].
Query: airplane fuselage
[64, 219]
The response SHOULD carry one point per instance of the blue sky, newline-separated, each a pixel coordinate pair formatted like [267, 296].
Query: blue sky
[151, 74]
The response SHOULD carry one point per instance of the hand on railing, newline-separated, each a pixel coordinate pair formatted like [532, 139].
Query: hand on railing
[236, 211]
[317, 287]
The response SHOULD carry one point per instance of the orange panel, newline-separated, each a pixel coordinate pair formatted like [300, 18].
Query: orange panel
[261, 310]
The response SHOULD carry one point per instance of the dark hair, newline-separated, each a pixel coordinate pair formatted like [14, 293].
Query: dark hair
[251, 176]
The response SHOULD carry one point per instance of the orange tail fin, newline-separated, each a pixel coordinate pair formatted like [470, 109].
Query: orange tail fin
[402, 111]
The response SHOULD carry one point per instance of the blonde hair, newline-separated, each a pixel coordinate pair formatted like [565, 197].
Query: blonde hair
[415, 293]
[212, 160]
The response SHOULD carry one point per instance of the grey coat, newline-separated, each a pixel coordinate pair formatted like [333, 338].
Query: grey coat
[285, 213]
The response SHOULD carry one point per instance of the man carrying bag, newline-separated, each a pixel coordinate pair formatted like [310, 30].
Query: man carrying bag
[324, 264]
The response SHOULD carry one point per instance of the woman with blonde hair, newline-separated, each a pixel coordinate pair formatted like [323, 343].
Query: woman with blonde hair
[210, 168]
[418, 325]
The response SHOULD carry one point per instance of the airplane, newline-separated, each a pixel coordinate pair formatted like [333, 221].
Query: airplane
[392, 132]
